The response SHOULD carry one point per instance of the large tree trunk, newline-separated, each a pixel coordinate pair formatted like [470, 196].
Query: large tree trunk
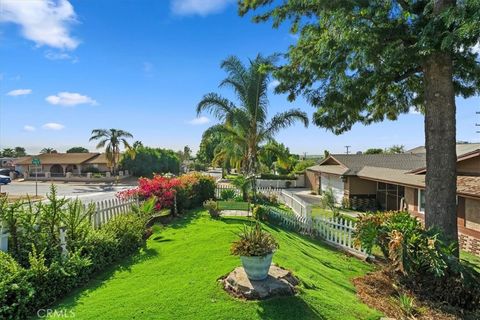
[440, 136]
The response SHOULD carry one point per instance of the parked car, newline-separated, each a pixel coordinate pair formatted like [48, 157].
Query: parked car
[6, 172]
[5, 179]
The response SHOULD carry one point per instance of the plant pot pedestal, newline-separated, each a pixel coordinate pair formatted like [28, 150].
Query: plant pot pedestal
[280, 282]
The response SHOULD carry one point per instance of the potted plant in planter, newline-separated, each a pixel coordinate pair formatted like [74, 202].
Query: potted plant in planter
[255, 248]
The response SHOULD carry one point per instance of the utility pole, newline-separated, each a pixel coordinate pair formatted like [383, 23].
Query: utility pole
[348, 149]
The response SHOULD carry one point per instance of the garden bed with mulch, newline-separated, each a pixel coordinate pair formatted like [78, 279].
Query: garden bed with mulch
[381, 290]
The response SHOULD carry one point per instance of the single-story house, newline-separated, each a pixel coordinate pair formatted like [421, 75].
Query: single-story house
[59, 164]
[397, 182]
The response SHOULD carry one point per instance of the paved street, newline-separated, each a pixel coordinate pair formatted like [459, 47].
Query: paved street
[85, 192]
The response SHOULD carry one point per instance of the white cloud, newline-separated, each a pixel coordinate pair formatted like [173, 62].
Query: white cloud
[45, 22]
[53, 126]
[273, 84]
[52, 55]
[70, 99]
[19, 92]
[199, 121]
[28, 128]
[199, 7]
[414, 110]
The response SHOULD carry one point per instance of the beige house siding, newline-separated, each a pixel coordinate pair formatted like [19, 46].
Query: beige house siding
[411, 195]
[469, 166]
[312, 180]
[472, 214]
[361, 186]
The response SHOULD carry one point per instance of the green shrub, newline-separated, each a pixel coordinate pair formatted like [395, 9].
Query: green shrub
[260, 213]
[328, 201]
[194, 190]
[101, 248]
[36, 273]
[271, 176]
[227, 194]
[238, 199]
[15, 291]
[148, 161]
[90, 169]
[422, 258]
[212, 207]
[128, 231]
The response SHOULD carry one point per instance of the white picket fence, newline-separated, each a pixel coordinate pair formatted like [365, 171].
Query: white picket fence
[334, 230]
[104, 211]
[298, 206]
[108, 209]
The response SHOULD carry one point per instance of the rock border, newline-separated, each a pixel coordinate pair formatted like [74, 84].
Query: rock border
[279, 283]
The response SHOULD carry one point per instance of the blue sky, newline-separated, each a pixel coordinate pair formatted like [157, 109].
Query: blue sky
[69, 67]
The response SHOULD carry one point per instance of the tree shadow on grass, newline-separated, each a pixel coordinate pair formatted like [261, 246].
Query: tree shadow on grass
[287, 308]
[99, 279]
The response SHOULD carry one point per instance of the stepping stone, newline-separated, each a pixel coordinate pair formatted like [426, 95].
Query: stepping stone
[280, 282]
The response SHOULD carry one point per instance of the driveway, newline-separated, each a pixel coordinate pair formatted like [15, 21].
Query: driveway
[85, 192]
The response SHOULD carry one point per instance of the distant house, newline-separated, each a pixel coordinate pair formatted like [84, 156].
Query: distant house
[59, 164]
[397, 182]
[7, 162]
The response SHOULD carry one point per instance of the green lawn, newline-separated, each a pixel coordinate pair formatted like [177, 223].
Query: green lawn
[232, 205]
[175, 277]
[475, 260]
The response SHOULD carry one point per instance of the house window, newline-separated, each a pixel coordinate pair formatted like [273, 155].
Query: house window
[421, 201]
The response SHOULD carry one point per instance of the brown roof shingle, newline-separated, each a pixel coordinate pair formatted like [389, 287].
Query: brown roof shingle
[59, 158]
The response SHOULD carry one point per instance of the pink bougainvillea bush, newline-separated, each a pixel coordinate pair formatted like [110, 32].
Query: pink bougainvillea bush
[190, 190]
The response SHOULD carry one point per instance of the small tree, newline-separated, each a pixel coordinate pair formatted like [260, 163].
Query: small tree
[243, 184]
[328, 201]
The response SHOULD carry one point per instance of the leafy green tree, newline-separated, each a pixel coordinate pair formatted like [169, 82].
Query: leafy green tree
[137, 144]
[20, 152]
[209, 142]
[243, 184]
[148, 161]
[247, 123]
[111, 140]
[364, 61]
[272, 152]
[77, 150]
[396, 149]
[48, 150]
[8, 153]
[302, 165]
[374, 151]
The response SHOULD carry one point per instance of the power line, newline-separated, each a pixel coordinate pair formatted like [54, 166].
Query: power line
[348, 149]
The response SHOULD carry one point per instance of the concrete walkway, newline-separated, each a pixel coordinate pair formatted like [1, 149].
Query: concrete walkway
[236, 213]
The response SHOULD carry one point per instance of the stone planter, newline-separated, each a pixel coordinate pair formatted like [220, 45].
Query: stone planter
[257, 268]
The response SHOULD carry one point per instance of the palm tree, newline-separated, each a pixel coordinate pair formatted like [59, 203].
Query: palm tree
[111, 141]
[48, 150]
[247, 124]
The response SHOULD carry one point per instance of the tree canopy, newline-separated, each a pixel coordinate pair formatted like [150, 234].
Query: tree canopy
[77, 150]
[149, 161]
[366, 61]
[246, 125]
[363, 61]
